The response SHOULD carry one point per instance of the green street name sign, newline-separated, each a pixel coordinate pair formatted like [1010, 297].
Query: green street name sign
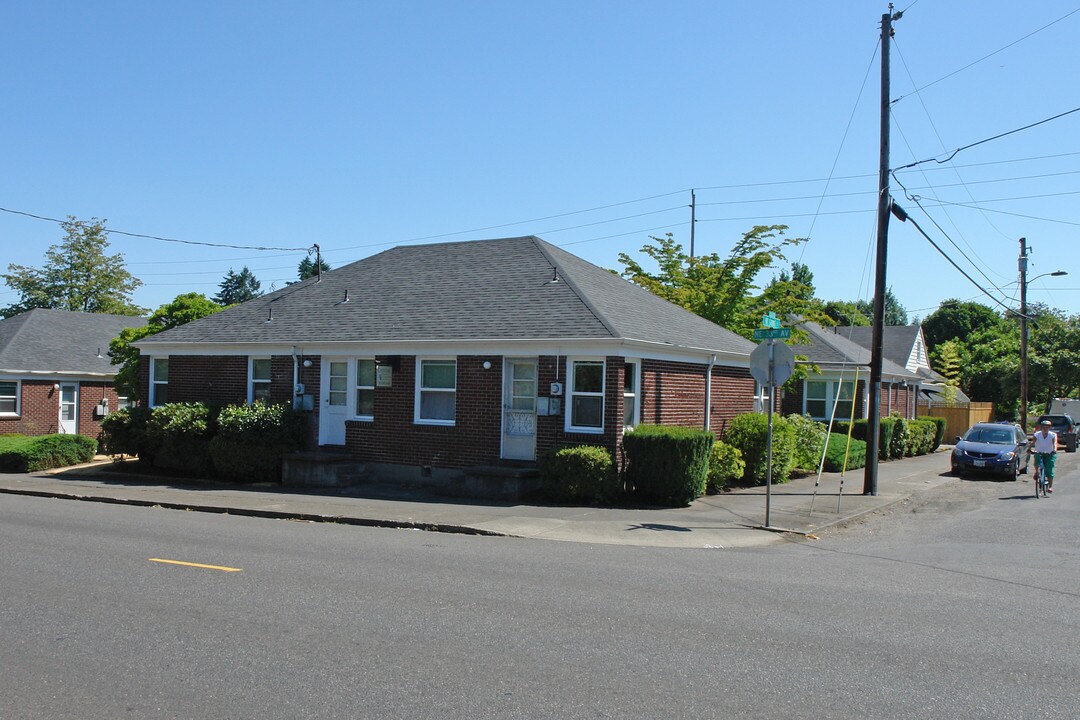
[770, 321]
[772, 334]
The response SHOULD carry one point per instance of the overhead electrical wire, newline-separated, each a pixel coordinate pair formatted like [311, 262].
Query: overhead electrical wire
[986, 57]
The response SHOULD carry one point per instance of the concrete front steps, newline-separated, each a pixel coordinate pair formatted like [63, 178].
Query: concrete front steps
[333, 468]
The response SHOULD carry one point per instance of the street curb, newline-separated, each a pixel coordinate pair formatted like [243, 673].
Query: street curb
[272, 514]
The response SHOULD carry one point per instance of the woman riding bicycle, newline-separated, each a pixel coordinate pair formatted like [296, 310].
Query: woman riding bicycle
[1045, 449]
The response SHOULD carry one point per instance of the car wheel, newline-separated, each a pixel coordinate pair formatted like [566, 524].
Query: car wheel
[1015, 474]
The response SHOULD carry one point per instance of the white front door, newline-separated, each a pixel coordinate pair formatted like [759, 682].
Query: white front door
[69, 409]
[519, 409]
[334, 395]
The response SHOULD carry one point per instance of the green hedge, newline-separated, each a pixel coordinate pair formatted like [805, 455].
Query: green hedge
[749, 433]
[668, 464]
[20, 453]
[939, 433]
[725, 465]
[178, 438]
[899, 444]
[124, 432]
[921, 434]
[251, 440]
[838, 446]
[583, 474]
[886, 431]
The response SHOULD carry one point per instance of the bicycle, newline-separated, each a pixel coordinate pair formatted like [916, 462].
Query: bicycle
[1039, 478]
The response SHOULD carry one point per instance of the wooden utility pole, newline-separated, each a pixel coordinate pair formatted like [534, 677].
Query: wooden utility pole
[873, 410]
[693, 221]
[1022, 262]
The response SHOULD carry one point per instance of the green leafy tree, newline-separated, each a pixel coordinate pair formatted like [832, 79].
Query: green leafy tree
[78, 275]
[183, 309]
[239, 287]
[309, 268]
[957, 319]
[721, 289]
[843, 312]
[947, 359]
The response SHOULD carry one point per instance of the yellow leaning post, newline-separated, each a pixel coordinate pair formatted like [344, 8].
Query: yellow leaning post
[847, 447]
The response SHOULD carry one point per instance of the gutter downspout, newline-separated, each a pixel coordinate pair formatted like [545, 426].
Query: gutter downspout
[708, 390]
[295, 376]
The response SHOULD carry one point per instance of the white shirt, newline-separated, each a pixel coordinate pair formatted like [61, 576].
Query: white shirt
[1045, 443]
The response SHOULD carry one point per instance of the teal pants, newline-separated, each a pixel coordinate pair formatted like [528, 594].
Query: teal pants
[1046, 461]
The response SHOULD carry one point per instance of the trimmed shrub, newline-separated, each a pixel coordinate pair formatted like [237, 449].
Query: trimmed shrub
[838, 446]
[20, 454]
[124, 432]
[939, 433]
[749, 433]
[809, 440]
[725, 465]
[921, 435]
[178, 438]
[583, 473]
[668, 464]
[899, 442]
[251, 440]
[886, 430]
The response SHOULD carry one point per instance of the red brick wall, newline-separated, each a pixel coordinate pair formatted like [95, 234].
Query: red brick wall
[394, 437]
[732, 394]
[39, 410]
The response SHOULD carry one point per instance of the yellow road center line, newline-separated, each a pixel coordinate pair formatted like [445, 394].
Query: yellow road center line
[198, 565]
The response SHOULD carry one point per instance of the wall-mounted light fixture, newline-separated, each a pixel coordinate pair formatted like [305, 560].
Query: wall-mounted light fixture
[487, 364]
[307, 363]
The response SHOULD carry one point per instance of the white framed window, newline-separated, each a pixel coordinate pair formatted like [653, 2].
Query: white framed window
[585, 396]
[259, 380]
[631, 394]
[159, 381]
[819, 396]
[9, 398]
[436, 391]
[365, 389]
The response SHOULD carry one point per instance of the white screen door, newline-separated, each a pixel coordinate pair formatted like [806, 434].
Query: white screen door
[519, 410]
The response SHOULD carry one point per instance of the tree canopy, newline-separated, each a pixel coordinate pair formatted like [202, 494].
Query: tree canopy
[309, 268]
[238, 287]
[78, 275]
[183, 309]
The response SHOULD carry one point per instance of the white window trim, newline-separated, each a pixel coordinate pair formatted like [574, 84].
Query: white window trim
[571, 392]
[18, 398]
[357, 386]
[830, 398]
[153, 381]
[636, 419]
[416, 399]
[251, 377]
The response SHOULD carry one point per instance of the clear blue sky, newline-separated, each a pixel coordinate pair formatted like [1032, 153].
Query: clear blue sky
[364, 125]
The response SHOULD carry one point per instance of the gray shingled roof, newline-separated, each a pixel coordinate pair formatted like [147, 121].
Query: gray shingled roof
[58, 341]
[507, 289]
[832, 348]
[897, 340]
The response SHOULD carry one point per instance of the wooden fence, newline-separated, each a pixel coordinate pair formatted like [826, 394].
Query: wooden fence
[958, 417]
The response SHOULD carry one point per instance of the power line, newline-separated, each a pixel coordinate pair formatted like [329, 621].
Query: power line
[986, 57]
[152, 237]
[986, 140]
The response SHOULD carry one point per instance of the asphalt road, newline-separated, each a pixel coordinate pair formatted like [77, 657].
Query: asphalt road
[962, 603]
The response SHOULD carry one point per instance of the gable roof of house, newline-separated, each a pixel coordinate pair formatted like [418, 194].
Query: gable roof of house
[506, 289]
[832, 349]
[59, 341]
[896, 344]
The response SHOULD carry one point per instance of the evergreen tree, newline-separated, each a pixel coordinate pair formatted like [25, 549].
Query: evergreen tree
[309, 268]
[78, 275]
[238, 287]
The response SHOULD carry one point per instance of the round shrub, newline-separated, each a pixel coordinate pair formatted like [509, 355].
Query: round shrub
[809, 440]
[725, 465]
[579, 474]
[749, 433]
[251, 439]
[838, 447]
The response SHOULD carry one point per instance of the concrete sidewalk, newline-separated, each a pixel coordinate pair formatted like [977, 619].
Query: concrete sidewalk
[733, 519]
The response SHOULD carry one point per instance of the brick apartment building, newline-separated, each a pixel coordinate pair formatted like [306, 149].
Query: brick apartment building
[55, 374]
[444, 356]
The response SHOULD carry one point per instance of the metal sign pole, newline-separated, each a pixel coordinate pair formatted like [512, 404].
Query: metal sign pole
[768, 443]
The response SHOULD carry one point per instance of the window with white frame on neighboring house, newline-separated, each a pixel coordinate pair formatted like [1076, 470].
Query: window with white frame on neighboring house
[631, 393]
[159, 381]
[9, 397]
[819, 396]
[365, 389]
[260, 380]
[436, 391]
[586, 396]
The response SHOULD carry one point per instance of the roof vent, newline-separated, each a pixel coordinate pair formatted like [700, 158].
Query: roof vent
[270, 314]
[346, 296]
[554, 274]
